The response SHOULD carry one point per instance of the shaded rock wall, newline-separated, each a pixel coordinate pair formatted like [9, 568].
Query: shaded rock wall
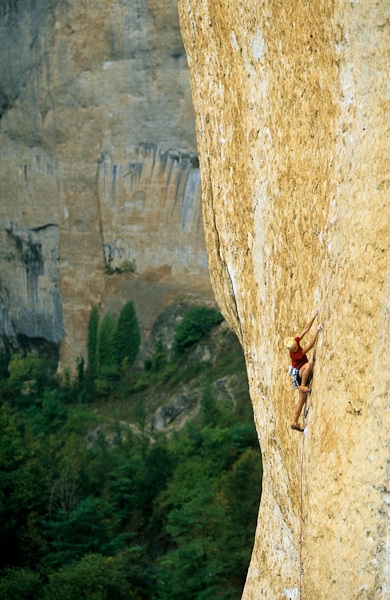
[97, 147]
[290, 101]
[29, 296]
[150, 203]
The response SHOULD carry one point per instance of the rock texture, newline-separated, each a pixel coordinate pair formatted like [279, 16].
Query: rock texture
[99, 173]
[171, 408]
[290, 101]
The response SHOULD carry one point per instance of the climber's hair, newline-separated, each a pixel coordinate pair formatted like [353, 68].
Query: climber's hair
[290, 343]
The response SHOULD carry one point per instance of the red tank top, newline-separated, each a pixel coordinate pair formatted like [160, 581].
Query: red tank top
[298, 359]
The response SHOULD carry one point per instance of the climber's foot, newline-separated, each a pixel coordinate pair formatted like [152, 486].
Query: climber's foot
[297, 428]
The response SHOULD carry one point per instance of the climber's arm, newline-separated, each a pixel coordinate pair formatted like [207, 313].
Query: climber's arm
[313, 341]
[310, 323]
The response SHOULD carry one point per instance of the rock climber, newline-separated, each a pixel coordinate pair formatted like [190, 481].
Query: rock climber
[301, 363]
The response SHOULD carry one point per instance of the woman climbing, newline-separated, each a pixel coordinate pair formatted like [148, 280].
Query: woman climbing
[301, 363]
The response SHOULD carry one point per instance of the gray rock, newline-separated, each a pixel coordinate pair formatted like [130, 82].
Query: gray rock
[98, 169]
[182, 406]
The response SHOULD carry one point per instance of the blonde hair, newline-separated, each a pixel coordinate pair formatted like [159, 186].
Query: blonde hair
[290, 343]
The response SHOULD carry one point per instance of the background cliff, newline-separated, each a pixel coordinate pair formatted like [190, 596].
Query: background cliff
[99, 182]
[291, 101]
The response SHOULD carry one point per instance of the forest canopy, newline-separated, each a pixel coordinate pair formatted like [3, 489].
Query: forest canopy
[98, 507]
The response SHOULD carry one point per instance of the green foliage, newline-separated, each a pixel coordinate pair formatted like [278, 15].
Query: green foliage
[128, 266]
[127, 337]
[238, 488]
[211, 413]
[202, 507]
[105, 341]
[194, 326]
[84, 529]
[20, 584]
[92, 343]
[4, 361]
[90, 508]
[80, 369]
[25, 470]
[96, 577]
[28, 377]
[148, 364]
[117, 346]
[160, 357]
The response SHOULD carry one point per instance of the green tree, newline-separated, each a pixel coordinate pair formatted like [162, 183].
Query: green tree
[4, 361]
[92, 343]
[29, 375]
[96, 577]
[105, 343]
[239, 490]
[196, 521]
[26, 463]
[20, 584]
[127, 337]
[85, 529]
[91, 509]
[196, 323]
[211, 533]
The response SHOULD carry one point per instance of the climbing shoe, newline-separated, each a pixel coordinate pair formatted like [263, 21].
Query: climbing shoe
[297, 428]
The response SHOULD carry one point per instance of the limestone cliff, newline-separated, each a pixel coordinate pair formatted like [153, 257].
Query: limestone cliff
[99, 183]
[291, 101]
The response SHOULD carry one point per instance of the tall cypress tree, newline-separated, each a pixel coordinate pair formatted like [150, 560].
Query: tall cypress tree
[93, 325]
[127, 337]
[105, 343]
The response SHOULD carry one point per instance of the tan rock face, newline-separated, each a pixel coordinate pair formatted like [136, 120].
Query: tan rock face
[290, 101]
[98, 168]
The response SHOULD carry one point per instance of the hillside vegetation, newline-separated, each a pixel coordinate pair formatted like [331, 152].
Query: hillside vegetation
[98, 502]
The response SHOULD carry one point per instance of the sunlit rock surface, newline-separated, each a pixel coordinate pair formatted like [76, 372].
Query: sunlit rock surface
[99, 181]
[291, 102]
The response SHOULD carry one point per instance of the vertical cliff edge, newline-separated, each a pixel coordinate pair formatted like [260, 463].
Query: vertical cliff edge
[291, 102]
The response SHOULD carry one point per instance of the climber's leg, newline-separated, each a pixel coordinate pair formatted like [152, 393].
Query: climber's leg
[305, 373]
[298, 408]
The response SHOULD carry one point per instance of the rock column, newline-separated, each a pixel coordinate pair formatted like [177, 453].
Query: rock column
[290, 101]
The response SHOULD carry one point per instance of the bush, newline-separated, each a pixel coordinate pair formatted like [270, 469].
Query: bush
[159, 360]
[128, 266]
[194, 326]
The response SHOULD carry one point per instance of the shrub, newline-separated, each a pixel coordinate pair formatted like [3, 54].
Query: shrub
[160, 357]
[194, 326]
[128, 266]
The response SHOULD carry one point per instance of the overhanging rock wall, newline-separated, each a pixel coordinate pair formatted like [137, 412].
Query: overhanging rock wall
[291, 102]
